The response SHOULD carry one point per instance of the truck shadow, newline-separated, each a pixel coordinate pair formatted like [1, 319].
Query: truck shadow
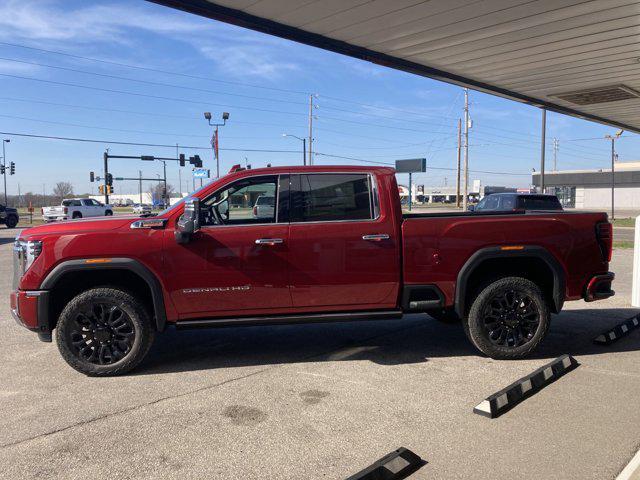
[415, 339]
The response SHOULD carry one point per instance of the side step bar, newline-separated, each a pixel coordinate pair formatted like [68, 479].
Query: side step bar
[287, 319]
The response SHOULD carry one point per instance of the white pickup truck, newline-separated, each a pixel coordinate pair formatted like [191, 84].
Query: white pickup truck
[76, 208]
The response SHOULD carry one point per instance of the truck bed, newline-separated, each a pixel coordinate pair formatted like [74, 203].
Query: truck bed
[436, 246]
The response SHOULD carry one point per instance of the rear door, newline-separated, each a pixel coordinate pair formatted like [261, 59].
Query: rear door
[343, 252]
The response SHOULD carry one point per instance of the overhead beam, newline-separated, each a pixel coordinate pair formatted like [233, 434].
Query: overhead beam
[233, 16]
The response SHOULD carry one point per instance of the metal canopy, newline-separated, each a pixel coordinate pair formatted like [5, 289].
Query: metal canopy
[557, 54]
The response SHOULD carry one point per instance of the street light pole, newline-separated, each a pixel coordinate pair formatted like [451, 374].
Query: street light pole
[225, 117]
[304, 146]
[613, 139]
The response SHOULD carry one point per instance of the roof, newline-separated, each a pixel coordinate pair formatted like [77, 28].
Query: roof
[547, 53]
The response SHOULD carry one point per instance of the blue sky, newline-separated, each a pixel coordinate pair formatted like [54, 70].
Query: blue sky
[363, 111]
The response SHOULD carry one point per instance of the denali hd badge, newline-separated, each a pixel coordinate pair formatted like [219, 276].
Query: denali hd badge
[239, 288]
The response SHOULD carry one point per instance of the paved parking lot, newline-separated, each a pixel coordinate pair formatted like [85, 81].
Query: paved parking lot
[321, 401]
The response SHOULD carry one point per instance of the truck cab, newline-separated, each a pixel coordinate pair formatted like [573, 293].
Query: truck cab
[335, 246]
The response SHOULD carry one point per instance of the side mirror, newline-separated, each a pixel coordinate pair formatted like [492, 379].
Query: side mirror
[471, 208]
[189, 221]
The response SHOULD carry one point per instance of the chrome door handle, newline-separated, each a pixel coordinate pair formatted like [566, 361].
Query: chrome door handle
[269, 241]
[378, 237]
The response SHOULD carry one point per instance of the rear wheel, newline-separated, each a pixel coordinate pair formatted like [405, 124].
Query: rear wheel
[76, 215]
[11, 221]
[508, 319]
[104, 331]
[108, 213]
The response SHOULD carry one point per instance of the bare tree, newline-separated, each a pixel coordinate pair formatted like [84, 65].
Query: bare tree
[157, 191]
[62, 190]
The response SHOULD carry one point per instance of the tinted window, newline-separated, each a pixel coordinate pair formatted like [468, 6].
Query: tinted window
[488, 203]
[540, 203]
[236, 204]
[508, 202]
[330, 197]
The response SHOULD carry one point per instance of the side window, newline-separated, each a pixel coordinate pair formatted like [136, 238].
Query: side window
[87, 203]
[247, 201]
[331, 197]
[490, 202]
[508, 203]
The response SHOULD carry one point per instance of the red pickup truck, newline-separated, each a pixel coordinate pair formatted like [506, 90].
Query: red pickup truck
[333, 245]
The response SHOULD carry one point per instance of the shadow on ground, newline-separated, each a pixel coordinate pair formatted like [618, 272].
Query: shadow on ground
[415, 339]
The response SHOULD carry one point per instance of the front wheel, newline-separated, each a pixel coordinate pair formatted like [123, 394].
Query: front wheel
[108, 213]
[104, 331]
[508, 319]
[11, 221]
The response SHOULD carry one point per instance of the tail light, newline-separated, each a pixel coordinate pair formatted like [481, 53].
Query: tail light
[66, 210]
[604, 235]
[255, 211]
[42, 210]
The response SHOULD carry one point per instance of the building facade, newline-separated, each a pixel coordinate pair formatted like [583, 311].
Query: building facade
[591, 189]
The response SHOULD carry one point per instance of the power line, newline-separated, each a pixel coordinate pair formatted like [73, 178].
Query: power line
[149, 82]
[150, 69]
[199, 77]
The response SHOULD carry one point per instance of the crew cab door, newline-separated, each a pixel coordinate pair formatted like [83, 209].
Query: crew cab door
[237, 263]
[344, 252]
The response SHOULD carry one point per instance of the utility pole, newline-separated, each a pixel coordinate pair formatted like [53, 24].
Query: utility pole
[466, 150]
[556, 144]
[459, 157]
[179, 172]
[542, 148]
[310, 129]
[140, 185]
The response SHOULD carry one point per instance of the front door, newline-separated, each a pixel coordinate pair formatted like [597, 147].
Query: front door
[344, 252]
[237, 264]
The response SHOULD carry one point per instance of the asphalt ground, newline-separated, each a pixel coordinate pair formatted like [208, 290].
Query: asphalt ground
[321, 401]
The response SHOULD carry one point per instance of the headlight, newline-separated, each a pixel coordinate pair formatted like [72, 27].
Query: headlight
[25, 253]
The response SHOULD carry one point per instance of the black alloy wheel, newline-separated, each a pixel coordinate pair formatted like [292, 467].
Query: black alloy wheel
[511, 318]
[508, 318]
[101, 333]
[104, 331]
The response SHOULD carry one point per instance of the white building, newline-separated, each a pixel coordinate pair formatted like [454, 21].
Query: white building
[591, 189]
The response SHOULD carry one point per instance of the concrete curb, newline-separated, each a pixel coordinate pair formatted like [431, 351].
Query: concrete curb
[507, 398]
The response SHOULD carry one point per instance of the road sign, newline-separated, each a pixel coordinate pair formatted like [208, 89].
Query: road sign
[201, 173]
[411, 165]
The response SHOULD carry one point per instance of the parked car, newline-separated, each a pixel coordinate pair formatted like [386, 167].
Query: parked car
[340, 248]
[141, 209]
[264, 206]
[508, 202]
[76, 208]
[9, 216]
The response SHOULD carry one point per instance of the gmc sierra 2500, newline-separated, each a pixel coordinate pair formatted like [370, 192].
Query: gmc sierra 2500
[336, 246]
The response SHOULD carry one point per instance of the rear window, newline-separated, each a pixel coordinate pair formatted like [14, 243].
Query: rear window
[540, 203]
[332, 197]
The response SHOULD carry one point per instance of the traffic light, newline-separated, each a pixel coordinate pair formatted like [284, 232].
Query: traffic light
[182, 160]
[1, 169]
[92, 177]
[12, 169]
[101, 189]
[195, 161]
[109, 189]
[109, 179]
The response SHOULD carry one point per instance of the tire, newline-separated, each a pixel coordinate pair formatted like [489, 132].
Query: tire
[108, 213]
[445, 315]
[11, 221]
[76, 215]
[97, 341]
[508, 318]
